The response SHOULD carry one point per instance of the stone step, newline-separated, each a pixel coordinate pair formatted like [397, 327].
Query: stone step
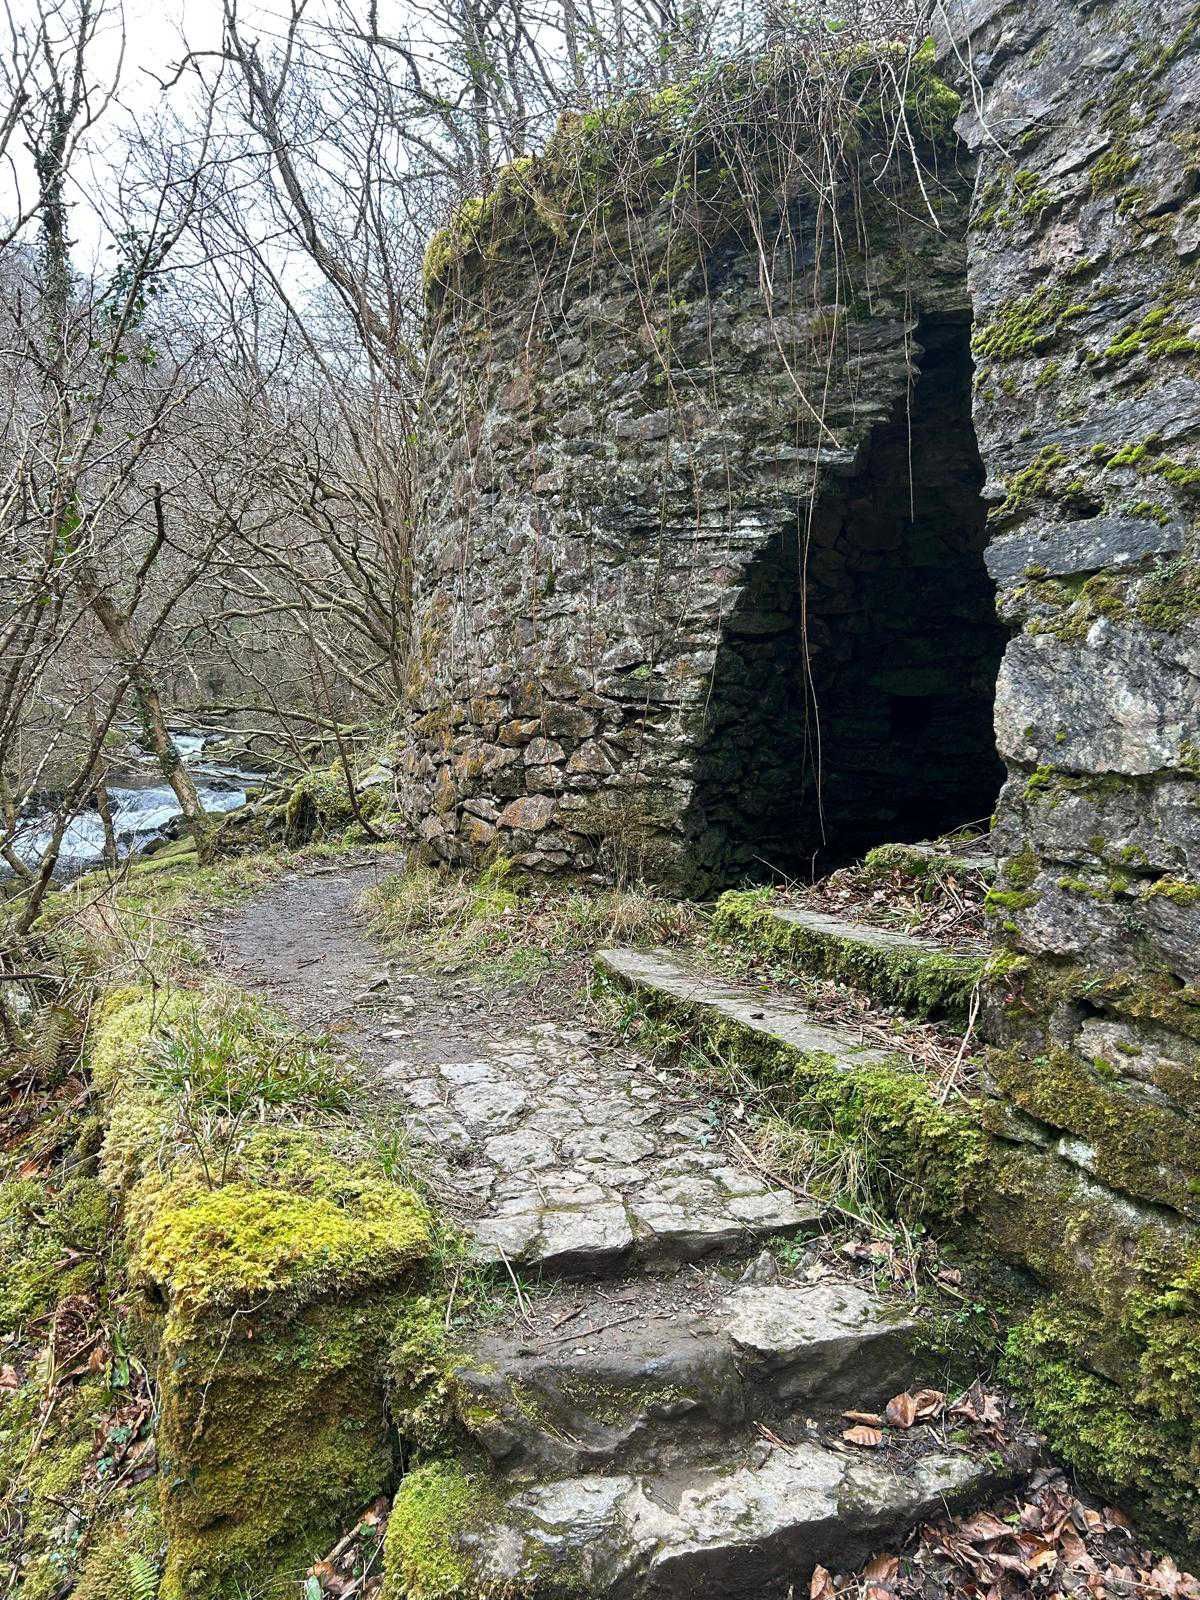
[920, 976]
[765, 1025]
[969, 860]
[751, 1528]
[620, 1388]
[685, 1208]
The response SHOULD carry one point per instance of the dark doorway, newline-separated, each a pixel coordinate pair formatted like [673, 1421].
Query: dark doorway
[852, 698]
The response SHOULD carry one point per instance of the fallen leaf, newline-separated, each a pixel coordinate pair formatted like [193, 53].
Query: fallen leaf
[982, 1527]
[882, 1570]
[929, 1402]
[901, 1411]
[821, 1587]
[867, 1438]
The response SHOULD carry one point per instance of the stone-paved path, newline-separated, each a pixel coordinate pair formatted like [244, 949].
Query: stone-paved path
[554, 1150]
[649, 1435]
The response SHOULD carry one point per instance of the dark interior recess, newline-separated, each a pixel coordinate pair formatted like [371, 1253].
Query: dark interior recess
[893, 713]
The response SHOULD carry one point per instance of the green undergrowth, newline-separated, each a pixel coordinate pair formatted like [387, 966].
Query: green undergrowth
[690, 147]
[925, 983]
[512, 931]
[242, 1229]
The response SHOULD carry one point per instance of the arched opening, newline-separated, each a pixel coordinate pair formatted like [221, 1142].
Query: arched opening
[852, 697]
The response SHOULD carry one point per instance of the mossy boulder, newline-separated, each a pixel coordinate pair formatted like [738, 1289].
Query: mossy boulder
[437, 1509]
[275, 1293]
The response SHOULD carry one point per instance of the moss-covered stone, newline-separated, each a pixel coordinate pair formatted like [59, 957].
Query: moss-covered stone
[1119, 1447]
[436, 1508]
[1138, 1146]
[273, 1434]
[925, 1156]
[923, 982]
[604, 168]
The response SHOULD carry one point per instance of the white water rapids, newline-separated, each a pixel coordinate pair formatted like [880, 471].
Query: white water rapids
[141, 811]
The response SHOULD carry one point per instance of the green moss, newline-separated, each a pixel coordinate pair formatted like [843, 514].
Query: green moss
[1156, 336]
[684, 146]
[1141, 1148]
[50, 1245]
[1112, 167]
[1032, 482]
[125, 1026]
[421, 1364]
[1089, 1422]
[125, 1561]
[318, 805]
[424, 1556]
[925, 983]
[215, 1249]
[273, 1435]
[1027, 326]
[1176, 891]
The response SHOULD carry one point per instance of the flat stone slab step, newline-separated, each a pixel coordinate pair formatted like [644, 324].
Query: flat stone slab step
[920, 976]
[774, 1024]
[663, 974]
[624, 1388]
[750, 1529]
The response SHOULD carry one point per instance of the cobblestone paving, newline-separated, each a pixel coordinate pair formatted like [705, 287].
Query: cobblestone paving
[555, 1149]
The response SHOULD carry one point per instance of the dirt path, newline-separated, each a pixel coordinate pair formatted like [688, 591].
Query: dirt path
[552, 1148]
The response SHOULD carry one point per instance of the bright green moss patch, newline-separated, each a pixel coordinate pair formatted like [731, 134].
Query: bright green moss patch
[207, 1249]
[319, 805]
[925, 983]
[125, 1026]
[1155, 336]
[1027, 326]
[424, 1558]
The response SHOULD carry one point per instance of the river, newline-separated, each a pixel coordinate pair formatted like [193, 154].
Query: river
[143, 807]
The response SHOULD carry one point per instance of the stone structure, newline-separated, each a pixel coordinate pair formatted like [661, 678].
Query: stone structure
[675, 610]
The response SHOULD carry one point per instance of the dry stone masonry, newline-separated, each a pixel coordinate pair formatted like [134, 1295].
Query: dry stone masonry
[672, 610]
[729, 534]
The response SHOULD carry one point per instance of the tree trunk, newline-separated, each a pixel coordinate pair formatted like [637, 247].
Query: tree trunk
[119, 629]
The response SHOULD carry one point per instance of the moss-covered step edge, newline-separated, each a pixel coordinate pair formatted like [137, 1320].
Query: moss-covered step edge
[757, 1522]
[894, 968]
[927, 863]
[268, 1303]
[1130, 1273]
[925, 1154]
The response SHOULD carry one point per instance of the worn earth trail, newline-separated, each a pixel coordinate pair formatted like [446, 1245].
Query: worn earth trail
[664, 1415]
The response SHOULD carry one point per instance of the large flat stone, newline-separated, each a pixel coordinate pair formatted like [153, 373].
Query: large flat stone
[661, 973]
[920, 976]
[640, 1388]
[751, 1529]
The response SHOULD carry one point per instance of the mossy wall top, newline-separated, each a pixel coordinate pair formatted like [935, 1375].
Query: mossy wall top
[648, 347]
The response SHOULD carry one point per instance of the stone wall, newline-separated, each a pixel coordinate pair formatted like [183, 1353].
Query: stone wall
[667, 576]
[1083, 253]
